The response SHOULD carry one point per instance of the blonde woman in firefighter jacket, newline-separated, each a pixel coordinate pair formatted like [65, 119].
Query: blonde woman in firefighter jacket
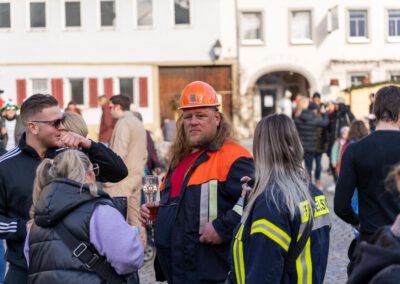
[277, 214]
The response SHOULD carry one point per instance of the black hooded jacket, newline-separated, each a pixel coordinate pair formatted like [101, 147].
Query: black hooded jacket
[50, 259]
[373, 257]
[307, 124]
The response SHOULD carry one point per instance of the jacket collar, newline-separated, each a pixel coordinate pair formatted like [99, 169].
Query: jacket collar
[60, 197]
[50, 153]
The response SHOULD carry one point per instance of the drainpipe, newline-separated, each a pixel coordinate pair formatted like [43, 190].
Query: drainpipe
[238, 53]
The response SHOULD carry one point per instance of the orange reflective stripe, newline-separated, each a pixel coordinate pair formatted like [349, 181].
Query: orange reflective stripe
[218, 165]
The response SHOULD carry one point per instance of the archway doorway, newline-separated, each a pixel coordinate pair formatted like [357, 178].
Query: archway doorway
[272, 87]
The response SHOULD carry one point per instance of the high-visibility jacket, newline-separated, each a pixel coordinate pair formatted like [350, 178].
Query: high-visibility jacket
[209, 192]
[261, 244]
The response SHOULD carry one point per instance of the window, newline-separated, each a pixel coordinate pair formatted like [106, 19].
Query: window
[107, 11]
[38, 14]
[301, 27]
[126, 87]
[395, 77]
[358, 79]
[358, 24]
[182, 12]
[5, 15]
[73, 14]
[394, 23]
[251, 27]
[77, 91]
[144, 12]
[40, 86]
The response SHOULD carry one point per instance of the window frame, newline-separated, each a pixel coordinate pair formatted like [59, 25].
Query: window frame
[64, 16]
[391, 39]
[7, 29]
[358, 39]
[107, 28]
[46, 16]
[304, 41]
[252, 42]
[136, 16]
[191, 16]
[357, 73]
[393, 73]
[68, 94]
[134, 83]
[48, 85]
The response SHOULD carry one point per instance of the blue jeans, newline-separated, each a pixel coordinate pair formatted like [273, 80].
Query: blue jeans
[308, 161]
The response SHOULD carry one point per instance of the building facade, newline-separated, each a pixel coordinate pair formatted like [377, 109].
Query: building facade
[251, 51]
[313, 46]
[146, 49]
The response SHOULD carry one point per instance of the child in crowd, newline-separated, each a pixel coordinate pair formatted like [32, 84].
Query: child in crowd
[337, 148]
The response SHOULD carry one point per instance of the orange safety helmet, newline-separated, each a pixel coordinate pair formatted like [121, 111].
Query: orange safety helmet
[198, 94]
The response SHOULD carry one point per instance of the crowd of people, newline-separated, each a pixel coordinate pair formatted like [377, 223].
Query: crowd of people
[70, 207]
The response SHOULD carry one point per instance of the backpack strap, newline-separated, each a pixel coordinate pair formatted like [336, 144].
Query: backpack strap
[89, 256]
[296, 248]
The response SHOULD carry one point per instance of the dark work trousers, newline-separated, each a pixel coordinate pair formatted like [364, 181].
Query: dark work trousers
[16, 275]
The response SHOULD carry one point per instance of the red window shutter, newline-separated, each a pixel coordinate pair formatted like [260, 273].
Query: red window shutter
[21, 91]
[93, 92]
[57, 91]
[108, 87]
[143, 92]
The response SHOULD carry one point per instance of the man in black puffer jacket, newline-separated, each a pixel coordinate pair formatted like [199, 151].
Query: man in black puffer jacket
[307, 124]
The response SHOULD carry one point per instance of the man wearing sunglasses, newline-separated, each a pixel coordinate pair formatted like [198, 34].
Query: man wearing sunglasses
[43, 138]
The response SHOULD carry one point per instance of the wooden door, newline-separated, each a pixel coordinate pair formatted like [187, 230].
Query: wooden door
[172, 80]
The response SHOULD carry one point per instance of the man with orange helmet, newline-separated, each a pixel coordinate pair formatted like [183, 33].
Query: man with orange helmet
[197, 211]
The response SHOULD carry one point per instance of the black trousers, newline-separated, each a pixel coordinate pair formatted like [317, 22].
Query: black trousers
[16, 275]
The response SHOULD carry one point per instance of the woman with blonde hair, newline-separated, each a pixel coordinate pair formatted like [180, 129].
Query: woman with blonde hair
[67, 201]
[278, 240]
[301, 106]
[75, 123]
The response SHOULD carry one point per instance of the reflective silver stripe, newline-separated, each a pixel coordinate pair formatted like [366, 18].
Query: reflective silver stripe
[213, 203]
[238, 209]
[204, 192]
[321, 221]
[273, 232]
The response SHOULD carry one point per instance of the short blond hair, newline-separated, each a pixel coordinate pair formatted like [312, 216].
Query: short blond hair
[75, 123]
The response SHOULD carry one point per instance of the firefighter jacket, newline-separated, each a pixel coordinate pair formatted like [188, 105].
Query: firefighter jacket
[262, 243]
[209, 192]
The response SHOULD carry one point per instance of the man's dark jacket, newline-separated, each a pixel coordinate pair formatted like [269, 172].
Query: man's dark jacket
[307, 125]
[50, 259]
[182, 257]
[17, 174]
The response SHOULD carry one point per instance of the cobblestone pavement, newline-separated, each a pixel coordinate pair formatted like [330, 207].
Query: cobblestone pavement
[341, 236]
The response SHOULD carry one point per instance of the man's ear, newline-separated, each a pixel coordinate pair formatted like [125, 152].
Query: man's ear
[218, 117]
[32, 128]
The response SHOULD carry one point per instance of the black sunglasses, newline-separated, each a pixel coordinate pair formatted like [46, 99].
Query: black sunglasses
[56, 123]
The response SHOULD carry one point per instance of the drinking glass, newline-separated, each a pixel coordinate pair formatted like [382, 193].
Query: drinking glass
[150, 191]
